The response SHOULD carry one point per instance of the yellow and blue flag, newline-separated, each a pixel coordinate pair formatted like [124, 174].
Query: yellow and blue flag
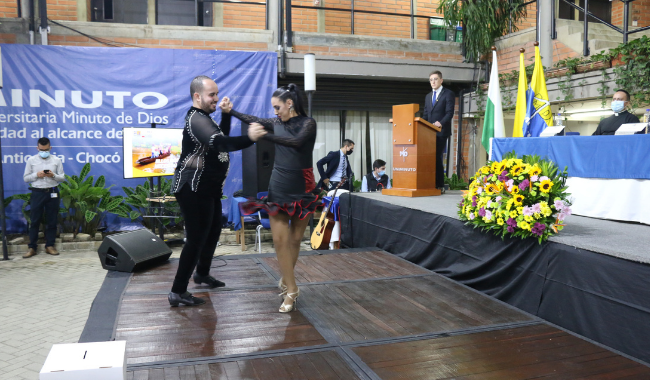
[520, 109]
[538, 108]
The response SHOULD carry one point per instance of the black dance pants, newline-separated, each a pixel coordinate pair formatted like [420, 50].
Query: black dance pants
[441, 145]
[202, 215]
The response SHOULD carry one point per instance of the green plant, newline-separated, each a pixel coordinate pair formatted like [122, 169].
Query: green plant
[85, 202]
[564, 84]
[634, 75]
[456, 183]
[484, 21]
[138, 205]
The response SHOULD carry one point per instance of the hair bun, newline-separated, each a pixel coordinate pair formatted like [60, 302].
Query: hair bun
[292, 87]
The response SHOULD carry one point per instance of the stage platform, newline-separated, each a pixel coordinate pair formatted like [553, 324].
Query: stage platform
[362, 314]
[593, 278]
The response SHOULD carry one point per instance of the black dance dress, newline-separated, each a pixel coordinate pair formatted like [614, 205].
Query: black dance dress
[292, 188]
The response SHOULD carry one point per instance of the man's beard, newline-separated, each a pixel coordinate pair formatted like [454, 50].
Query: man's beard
[206, 106]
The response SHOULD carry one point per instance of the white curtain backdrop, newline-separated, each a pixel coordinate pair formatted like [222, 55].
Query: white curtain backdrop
[328, 135]
[355, 130]
[381, 139]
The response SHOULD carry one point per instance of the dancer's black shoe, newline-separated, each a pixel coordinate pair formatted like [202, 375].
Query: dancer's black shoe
[186, 299]
[209, 280]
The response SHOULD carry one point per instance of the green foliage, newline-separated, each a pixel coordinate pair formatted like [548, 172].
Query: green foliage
[634, 75]
[85, 202]
[484, 21]
[455, 182]
[136, 204]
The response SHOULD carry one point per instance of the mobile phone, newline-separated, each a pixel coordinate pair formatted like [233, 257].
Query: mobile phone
[46, 171]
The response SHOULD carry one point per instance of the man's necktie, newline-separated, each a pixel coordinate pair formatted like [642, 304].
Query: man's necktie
[433, 100]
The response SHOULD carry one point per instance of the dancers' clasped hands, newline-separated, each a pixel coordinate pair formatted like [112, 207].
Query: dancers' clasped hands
[255, 131]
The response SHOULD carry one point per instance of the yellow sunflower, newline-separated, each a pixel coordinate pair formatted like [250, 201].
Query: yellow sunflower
[517, 170]
[535, 171]
[491, 188]
[546, 186]
[495, 167]
[518, 198]
[485, 170]
[515, 190]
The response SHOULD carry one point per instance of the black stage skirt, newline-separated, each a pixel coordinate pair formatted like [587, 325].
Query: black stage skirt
[292, 191]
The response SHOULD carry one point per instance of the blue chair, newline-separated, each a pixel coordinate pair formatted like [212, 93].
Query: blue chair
[265, 223]
[572, 133]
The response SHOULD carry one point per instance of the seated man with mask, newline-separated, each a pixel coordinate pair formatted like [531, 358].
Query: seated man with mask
[377, 179]
[620, 103]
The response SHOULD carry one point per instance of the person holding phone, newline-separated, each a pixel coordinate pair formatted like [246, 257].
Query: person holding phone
[43, 172]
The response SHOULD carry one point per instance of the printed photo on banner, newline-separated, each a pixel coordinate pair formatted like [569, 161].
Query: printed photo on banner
[150, 152]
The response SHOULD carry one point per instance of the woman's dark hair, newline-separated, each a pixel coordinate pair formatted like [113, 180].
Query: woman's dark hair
[292, 92]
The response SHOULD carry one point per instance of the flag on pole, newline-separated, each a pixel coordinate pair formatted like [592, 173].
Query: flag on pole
[520, 109]
[538, 108]
[493, 123]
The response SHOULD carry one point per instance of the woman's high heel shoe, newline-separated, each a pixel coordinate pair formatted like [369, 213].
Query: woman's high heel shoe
[284, 308]
[282, 287]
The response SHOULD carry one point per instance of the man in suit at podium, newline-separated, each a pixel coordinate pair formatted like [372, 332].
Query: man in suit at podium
[338, 166]
[439, 111]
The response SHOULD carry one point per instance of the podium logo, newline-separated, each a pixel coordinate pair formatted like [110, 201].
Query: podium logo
[404, 154]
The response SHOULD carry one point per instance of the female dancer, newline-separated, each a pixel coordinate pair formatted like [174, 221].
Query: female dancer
[291, 198]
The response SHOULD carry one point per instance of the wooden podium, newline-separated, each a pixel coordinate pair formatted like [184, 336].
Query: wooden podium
[414, 154]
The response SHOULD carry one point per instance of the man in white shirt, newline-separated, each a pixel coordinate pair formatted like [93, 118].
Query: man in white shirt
[338, 167]
[377, 179]
[43, 172]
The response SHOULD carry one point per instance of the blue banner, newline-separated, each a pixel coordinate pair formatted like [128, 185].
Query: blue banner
[620, 157]
[82, 97]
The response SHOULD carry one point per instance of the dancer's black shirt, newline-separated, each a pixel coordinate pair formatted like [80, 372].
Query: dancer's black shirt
[204, 161]
[294, 139]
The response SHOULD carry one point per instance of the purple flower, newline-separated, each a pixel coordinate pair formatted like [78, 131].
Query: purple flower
[538, 229]
[561, 216]
[471, 216]
[511, 229]
[537, 208]
[481, 212]
[559, 205]
[511, 222]
[528, 211]
[534, 178]
[489, 203]
[524, 184]
[474, 198]
[503, 176]
[474, 204]
[488, 214]
[566, 210]
[543, 178]
[479, 190]
[498, 199]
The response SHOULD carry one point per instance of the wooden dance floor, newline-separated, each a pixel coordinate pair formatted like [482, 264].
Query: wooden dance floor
[362, 314]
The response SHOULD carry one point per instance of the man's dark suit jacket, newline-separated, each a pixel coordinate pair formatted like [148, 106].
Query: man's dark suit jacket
[442, 112]
[332, 161]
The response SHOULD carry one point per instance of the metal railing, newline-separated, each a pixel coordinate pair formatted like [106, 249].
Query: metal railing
[354, 11]
[587, 14]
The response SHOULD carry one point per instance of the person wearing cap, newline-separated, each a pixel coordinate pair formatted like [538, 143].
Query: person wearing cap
[43, 172]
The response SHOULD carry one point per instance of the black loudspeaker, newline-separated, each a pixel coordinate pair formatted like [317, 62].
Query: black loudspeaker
[133, 250]
[257, 165]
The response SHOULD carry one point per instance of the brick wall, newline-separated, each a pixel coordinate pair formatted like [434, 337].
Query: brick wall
[244, 16]
[62, 10]
[8, 8]
[339, 22]
[7, 38]
[509, 56]
[641, 12]
[530, 20]
[156, 43]
[351, 52]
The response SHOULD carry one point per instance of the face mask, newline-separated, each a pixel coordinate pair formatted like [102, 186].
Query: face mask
[349, 152]
[44, 154]
[618, 106]
[381, 173]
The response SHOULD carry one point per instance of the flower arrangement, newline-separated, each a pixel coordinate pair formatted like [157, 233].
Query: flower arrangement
[523, 197]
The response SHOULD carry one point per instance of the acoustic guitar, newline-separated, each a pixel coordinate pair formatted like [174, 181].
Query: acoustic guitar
[320, 239]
